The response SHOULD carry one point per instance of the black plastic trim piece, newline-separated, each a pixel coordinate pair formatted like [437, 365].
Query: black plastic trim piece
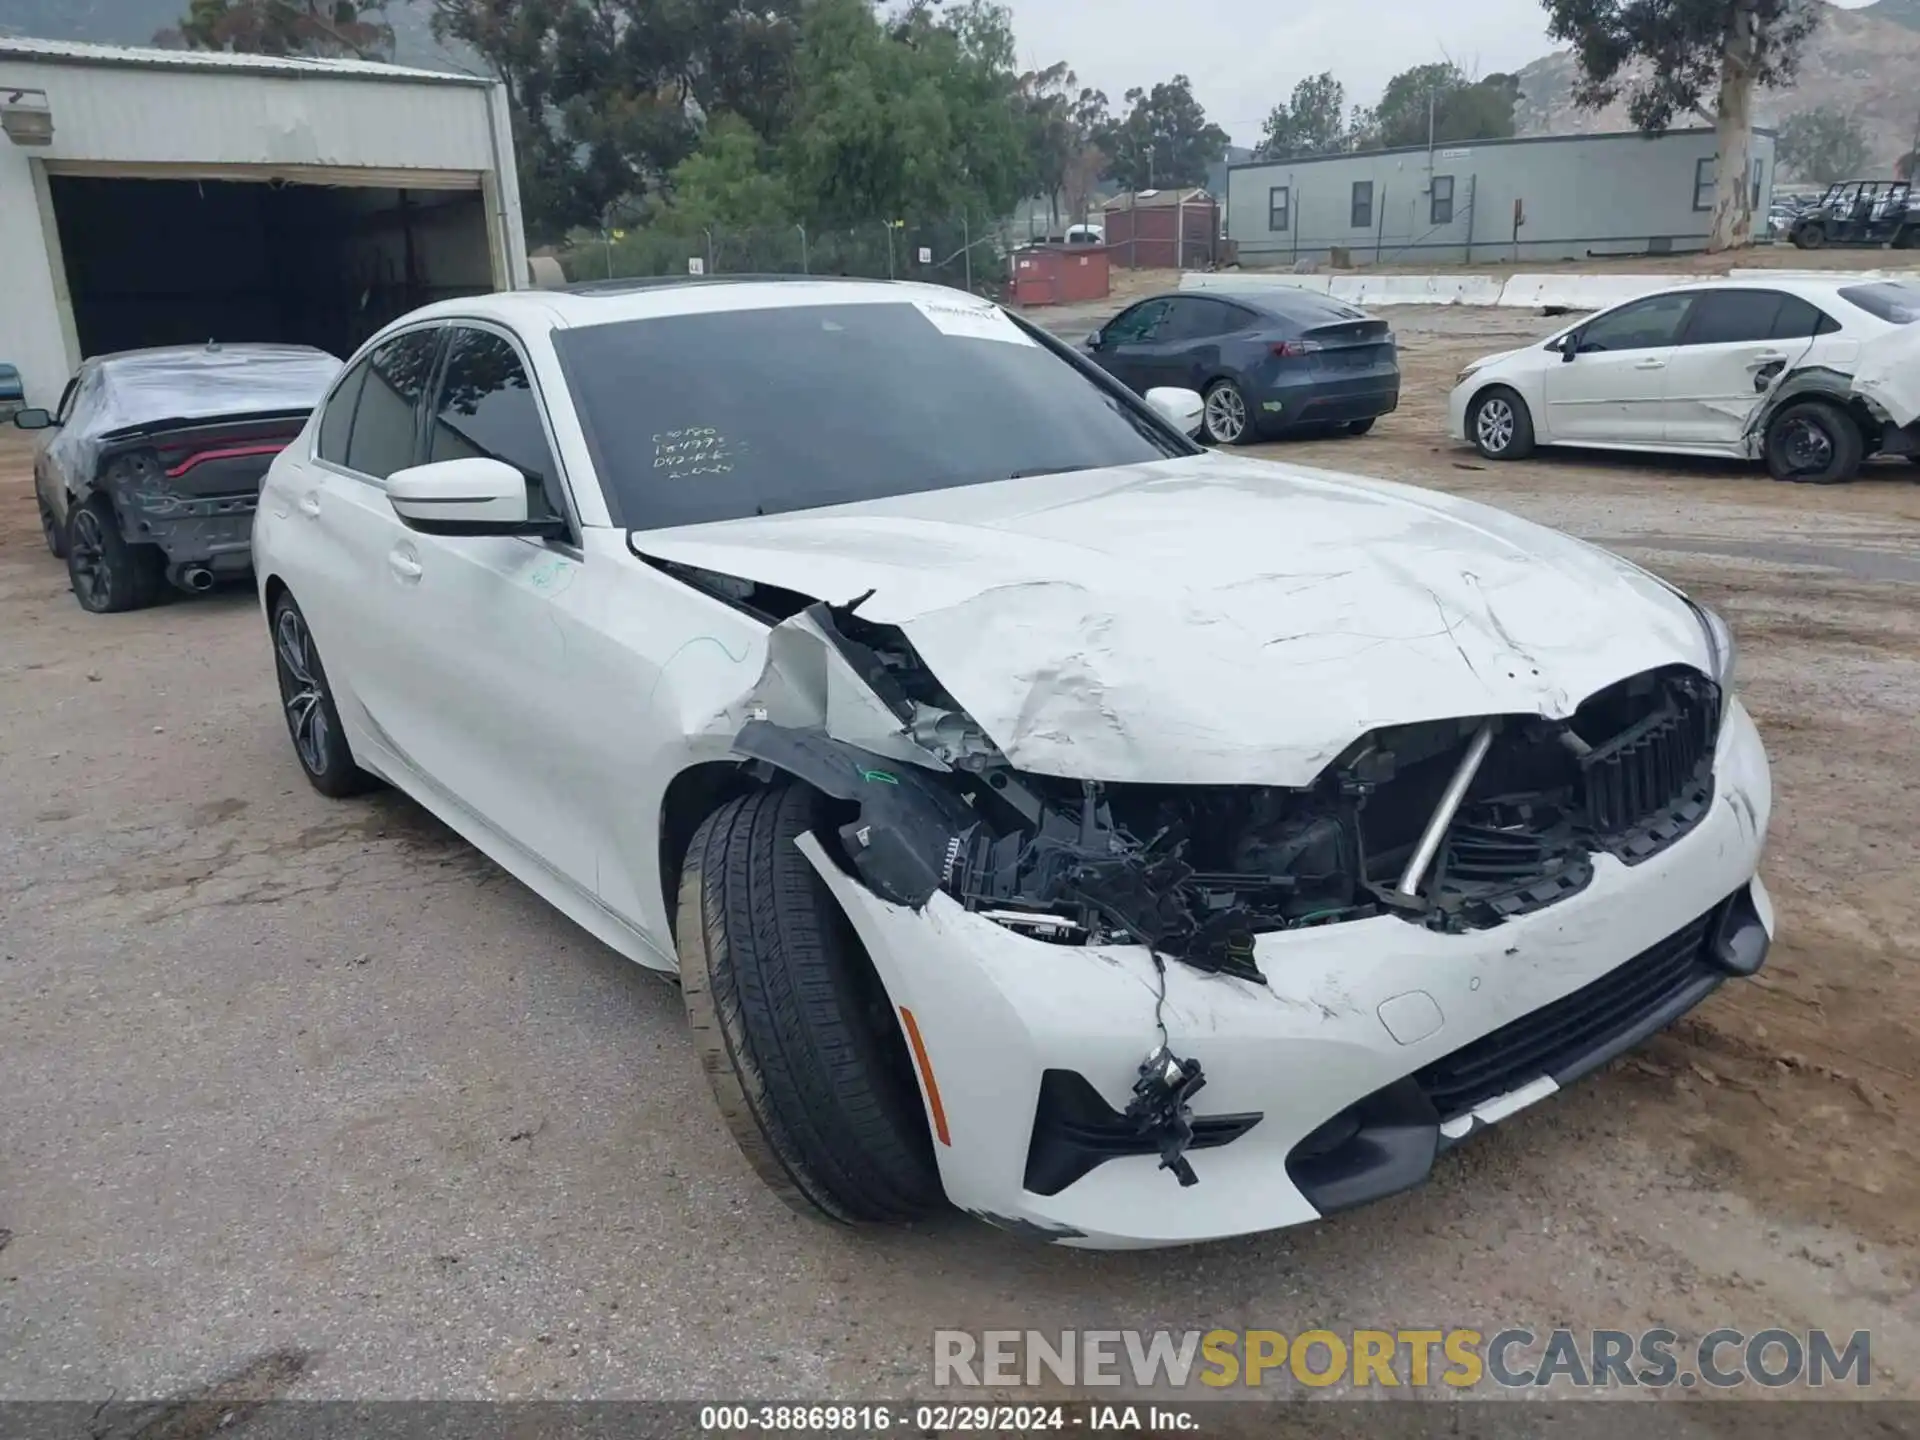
[1075, 1130]
[1374, 1148]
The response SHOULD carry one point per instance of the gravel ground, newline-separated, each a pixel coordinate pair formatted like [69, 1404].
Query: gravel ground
[313, 1088]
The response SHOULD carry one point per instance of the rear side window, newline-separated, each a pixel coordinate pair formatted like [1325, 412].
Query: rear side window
[485, 406]
[385, 423]
[1729, 317]
[1800, 319]
[336, 422]
[1887, 300]
[1198, 320]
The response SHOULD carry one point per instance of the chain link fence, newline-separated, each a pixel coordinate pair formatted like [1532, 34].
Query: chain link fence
[963, 253]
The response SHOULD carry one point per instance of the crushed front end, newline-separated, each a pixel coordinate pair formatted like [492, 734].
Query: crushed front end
[1159, 1013]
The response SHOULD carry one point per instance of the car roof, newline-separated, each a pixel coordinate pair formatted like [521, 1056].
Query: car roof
[645, 298]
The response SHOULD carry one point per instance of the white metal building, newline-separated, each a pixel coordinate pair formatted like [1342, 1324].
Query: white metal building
[185, 196]
[1548, 197]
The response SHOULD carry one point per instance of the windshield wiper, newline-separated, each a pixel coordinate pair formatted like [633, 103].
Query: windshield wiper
[1045, 470]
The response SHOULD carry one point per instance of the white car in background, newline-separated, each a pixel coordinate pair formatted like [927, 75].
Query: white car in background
[1126, 843]
[1685, 371]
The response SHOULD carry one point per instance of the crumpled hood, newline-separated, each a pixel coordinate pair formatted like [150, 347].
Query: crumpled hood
[1214, 620]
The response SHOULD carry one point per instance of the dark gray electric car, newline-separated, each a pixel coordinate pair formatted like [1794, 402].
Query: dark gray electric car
[1266, 364]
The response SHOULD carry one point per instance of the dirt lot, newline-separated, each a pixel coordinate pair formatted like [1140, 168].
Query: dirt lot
[292, 1078]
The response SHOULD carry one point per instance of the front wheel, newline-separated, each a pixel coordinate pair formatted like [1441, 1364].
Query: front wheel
[1501, 425]
[1814, 444]
[1223, 419]
[1810, 237]
[795, 1031]
[50, 530]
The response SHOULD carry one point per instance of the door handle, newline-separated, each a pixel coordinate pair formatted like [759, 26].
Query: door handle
[404, 565]
[310, 504]
[1651, 365]
[1765, 357]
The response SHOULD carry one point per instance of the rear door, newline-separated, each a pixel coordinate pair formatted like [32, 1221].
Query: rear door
[1613, 391]
[1734, 344]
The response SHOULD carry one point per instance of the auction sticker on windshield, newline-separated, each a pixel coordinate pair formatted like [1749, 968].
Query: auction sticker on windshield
[972, 322]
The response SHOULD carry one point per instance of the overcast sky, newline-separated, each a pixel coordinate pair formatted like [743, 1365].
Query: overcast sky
[1243, 55]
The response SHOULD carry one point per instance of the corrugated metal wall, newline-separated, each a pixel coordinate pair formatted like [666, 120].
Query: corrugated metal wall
[1581, 196]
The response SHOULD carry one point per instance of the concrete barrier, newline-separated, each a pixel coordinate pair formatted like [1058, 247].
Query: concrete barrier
[1547, 289]
[1252, 282]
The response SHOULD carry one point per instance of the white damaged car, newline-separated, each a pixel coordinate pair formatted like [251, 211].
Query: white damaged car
[1126, 843]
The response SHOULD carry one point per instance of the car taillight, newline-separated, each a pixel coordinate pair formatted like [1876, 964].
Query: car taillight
[1286, 349]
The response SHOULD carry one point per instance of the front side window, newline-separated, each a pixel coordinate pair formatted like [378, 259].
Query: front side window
[1649, 324]
[733, 413]
[1139, 324]
[385, 422]
[1703, 183]
[1441, 208]
[1279, 207]
[1362, 205]
[485, 407]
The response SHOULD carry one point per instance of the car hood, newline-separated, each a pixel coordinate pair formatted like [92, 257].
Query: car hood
[1214, 620]
[1494, 359]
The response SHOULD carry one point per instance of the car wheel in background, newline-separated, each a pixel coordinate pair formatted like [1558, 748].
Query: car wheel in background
[50, 530]
[1810, 236]
[1501, 425]
[312, 719]
[107, 573]
[1814, 444]
[1361, 427]
[795, 1030]
[1223, 419]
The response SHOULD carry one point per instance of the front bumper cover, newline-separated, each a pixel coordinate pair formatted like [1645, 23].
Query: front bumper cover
[1348, 1013]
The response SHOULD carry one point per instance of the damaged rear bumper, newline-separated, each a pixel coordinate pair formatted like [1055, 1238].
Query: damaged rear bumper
[1316, 1080]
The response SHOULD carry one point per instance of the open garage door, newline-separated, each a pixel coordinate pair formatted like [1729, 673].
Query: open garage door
[165, 261]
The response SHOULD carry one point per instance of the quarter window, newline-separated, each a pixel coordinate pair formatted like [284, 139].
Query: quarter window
[485, 407]
[1440, 209]
[1279, 207]
[386, 419]
[1362, 205]
[336, 421]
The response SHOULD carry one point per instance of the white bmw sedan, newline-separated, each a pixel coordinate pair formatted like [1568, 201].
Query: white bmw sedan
[1126, 843]
[1687, 371]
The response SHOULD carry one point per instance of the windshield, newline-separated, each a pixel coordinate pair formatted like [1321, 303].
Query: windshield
[1887, 300]
[724, 414]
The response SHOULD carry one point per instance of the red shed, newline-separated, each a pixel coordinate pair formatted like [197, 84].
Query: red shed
[1059, 274]
[1162, 229]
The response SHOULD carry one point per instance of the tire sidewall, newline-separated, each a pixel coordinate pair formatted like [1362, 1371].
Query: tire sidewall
[1843, 437]
[1522, 424]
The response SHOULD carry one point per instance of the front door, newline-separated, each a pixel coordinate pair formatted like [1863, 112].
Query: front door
[1126, 343]
[1613, 389]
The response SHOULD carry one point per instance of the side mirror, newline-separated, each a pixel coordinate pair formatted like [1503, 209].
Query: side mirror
[1569, 348]
[1093, 340]
[1180, 408]
[473, 496]
[33, 418]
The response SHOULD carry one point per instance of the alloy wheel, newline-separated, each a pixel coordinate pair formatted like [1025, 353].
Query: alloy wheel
[1226, 414]
[1493, 426]
[87, 557]
[302, 691]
